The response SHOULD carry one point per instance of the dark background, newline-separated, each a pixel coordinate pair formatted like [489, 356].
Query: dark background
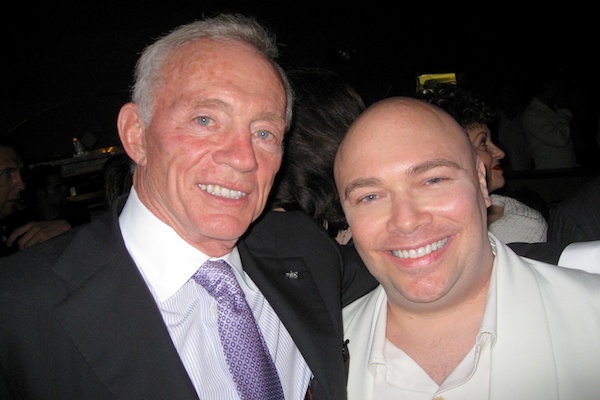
[67, 70]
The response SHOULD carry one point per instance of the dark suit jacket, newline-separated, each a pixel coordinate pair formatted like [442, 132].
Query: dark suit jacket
[577, 217]
[548, 252]
[77, 320]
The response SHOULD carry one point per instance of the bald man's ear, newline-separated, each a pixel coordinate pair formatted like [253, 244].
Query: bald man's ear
[483, 185]
[132, 133]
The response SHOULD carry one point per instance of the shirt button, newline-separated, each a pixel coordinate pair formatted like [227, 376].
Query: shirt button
[214, 309]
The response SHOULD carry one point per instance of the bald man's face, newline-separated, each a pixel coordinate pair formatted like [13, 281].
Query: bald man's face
[415, 198]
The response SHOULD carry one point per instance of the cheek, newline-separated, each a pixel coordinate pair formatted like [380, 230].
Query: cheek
[268, 166]
[364, 227]
[487, 160]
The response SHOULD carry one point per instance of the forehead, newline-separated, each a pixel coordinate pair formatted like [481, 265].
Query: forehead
[388, 143]
[9, 158]
[210, 59]
[225, 70]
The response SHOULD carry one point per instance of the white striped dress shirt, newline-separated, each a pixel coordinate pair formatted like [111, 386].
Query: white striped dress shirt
[167, 264]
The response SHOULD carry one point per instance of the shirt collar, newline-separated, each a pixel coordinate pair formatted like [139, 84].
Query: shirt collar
[165, 260]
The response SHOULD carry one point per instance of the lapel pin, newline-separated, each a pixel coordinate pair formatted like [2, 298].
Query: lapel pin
[291, 275]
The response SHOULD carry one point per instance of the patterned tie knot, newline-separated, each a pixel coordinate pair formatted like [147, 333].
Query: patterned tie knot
[219, 281]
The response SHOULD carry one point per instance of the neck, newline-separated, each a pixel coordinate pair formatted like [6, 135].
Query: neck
[437, 341]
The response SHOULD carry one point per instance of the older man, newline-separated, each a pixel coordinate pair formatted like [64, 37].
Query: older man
[145, 302]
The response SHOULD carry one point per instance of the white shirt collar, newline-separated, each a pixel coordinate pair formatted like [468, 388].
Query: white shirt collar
[165, 260]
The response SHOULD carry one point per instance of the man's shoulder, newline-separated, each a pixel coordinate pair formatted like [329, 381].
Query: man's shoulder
[287, 231]
[52, 268]
[281, 221]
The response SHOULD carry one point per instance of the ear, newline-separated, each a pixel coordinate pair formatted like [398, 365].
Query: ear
[481, 175]
[132, 133]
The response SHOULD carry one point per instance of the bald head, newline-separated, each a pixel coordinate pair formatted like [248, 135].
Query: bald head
[402, 125]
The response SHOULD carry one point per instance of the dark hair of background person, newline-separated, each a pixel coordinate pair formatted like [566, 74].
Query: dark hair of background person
[466, 108]
[325, 105]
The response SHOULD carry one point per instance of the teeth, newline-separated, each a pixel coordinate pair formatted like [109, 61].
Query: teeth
[421, 251]
[220, 191]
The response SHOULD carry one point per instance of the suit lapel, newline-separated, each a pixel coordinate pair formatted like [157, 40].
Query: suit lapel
[112, 319]
[523, 334]
[295, 292]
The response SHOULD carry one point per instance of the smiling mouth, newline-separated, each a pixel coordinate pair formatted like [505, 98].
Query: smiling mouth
[420, 251]
[221, 191]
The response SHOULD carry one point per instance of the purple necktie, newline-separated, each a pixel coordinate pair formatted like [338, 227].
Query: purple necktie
[245, 350]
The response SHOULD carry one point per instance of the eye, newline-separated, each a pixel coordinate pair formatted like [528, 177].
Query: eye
[484, 142]
[204, 120]
[368, 198]
[264, 135]
[7, 172]
[433, 181]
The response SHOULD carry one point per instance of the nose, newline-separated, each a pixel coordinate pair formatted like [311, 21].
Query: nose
[238, 152]
[497, 152]
[17, 181]
[407, 215]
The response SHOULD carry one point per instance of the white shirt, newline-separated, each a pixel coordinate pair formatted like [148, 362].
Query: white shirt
[398, 376]
[167, 264]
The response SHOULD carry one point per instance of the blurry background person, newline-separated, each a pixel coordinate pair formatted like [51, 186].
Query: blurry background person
[11, 187]
[325, 105]
[25, 220]
[547, 125]
[508, 218]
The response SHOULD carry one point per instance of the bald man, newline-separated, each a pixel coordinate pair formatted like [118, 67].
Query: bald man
[457, 313]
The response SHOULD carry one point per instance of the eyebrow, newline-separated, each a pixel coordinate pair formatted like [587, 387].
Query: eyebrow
[212, 103]
[359, 183]
[413, 170]
[9, 169]
[431, 164]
